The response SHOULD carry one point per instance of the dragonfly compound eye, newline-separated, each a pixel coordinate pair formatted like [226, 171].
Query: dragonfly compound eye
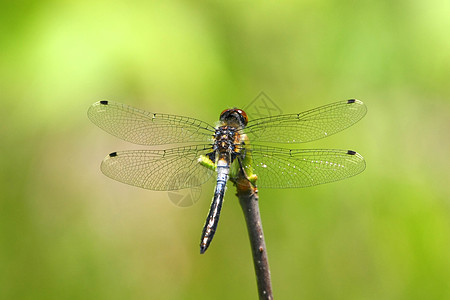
[234, 115]
[243, 115]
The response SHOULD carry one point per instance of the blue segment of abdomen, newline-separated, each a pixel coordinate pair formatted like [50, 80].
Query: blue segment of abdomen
[212, 220]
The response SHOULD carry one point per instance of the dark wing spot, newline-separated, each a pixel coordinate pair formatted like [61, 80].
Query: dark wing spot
[351, 101]
[351, 152]
[114, 154]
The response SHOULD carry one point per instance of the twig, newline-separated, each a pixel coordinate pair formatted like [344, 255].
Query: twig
[248, 198]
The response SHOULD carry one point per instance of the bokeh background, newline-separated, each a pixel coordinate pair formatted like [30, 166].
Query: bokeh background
[68, 232]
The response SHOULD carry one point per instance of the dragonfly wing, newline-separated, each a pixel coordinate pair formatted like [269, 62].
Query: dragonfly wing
[159, 170]
[307, 126]
[145, 128]
[285, 168]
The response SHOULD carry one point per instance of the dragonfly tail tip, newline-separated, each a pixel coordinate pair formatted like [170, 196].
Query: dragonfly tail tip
[203, 249]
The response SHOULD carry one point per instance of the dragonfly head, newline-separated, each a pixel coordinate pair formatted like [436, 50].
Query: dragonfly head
[234, 117]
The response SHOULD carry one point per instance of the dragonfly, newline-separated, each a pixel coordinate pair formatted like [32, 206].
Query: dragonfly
[234, 144]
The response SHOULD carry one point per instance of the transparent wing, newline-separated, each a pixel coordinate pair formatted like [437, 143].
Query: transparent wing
[145, 128]
[307, 126]
[159, 170]
[285, 168]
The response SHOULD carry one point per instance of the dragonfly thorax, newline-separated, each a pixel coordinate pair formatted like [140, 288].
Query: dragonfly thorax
[226, 139]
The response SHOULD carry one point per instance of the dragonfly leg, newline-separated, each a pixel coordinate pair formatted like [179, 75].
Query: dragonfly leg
[252, 178]
[244, 183]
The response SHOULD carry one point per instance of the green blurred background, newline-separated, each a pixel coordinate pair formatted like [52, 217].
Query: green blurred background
[69, 232]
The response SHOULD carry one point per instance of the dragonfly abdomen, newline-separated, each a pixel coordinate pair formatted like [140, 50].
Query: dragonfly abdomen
[212, 220]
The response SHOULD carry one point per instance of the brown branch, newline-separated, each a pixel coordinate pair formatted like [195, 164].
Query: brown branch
[248, 198]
